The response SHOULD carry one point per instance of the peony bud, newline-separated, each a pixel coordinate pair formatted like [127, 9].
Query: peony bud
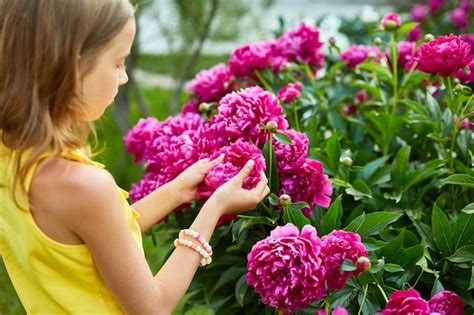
[346, 161]
[377, 41]
[285, 199]
[204, 107]
[332, 41]
[390, 22]
[364, 262]
[271, 126]
[371, 56]
[428, 38]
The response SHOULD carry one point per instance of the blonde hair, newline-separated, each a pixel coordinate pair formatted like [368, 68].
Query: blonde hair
[46, 48]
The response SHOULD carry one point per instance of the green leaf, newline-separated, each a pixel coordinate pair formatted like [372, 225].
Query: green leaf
[464, 230]
[463, 254]
[333, 151]
[273, 199]
[442, 231]
[229, 275]
[359, 189]
[437, 287]
[283, 138]
[200, 310]
[469, 209]
[459, 179]
[376, 68]
[299, 205]
[434, 107]
[274, 181]
[348, 265]
[332, 218]
[405, 28]
[393, 268]
[355, 224]
[250, 221]
[471, 282]
[430, 169]
[370, 168]
[378, 267]
[240, 290]
[374, 223]
[295, 216]
[400, 167]
[410, 256]
[393, 248]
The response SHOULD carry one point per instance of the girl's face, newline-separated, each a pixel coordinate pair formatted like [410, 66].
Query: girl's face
[100, 85]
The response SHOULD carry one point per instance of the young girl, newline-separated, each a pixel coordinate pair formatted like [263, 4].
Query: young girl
[69, 240]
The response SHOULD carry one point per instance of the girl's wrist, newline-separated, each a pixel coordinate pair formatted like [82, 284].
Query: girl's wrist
[213, 209]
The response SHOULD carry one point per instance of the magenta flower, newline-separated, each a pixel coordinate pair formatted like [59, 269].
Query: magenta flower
[336, 247]
[349, 110]
[285, 268]
[415, 34]
[212, 84]
[242, 113]
[291, 156]
[301, 44]
[435, 5]
[307, 183]
[465, 5]
[466, 74]
[236, 155]
[419, 12]
[407, 302]
[191, 106]
[361, 96]
[406, 50]
[147, 185]
[469, 38]
[288, 93]
[460, 18]
[446, 303]
[444, 55]
[390, 21]
[359, 53]
[339, 310]
[138, 138]
[245, 59]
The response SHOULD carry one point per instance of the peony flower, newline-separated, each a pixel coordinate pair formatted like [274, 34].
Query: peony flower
[212, 84]
[138, 138]
[307, 183]
[242, 113]
[390, 21]
[236, 155]
[415, 34]
[301, 44]
[359, 53]
[291, 156]
[444, 55]
[290, 92]
[469, 38]
[446, 303]
[434, 5]
[361, 96]
[419, 12]
[459, 17]
[465, 5]
[191, 106]
[407, 302]
[339, 310]
[147, 185]
[336, 247]
[466, 75]
[285, 268]
[245, 59]
[349, 110]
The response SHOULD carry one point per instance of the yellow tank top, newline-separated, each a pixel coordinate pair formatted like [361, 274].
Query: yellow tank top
[50, 277]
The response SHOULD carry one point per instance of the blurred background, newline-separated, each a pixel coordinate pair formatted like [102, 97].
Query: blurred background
[177, 38]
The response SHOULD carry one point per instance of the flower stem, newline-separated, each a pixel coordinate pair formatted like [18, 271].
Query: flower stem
[270, 157]
[383, 292]
[394, 48]
[309, 73]
[297, 123]
[363, 299]
[263, 81]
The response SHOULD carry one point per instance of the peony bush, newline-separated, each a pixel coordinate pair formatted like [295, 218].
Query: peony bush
[369, 155]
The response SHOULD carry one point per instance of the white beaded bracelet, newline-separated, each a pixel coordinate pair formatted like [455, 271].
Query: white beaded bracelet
[205, 256]
[198, 237]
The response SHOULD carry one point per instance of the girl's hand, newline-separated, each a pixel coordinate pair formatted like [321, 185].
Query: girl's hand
[186, 183]
[233, 199]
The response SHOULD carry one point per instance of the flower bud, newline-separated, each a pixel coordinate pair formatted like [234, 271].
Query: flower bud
[346, 161]
[204, 107]
[271, 126]
[285, 199]
[332, 41]
[363, 262]
[377, 41]
[371, 56]
[428, 37]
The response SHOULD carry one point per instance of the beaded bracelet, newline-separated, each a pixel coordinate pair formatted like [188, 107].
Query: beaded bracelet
[205, 257]
[198, 237]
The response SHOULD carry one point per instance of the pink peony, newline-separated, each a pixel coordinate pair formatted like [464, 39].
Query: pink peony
[242, 113]
[443, 55]
[236, 155]
[349, 110]
[465, 5]
[307, 183]
[415, 34]
[301, 44]
[245, 59]
[435, 5]
[290, 92]
[446, 303]
[285, 268]
[406, 50]
[292, 156]
[460, 18]
[361, 96]
[466, 75]
[138, 138]
[339, 310]
[147, 185]
[359, 53]
[191, 106]
[407, 302]
[336, 247]
[469, 38]
[419, 12]
[209, 139]
[390, 21]
[211, 85]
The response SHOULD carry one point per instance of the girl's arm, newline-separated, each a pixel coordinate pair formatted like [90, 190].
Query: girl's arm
[96, 216]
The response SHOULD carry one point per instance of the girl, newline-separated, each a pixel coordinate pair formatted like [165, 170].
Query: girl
[69, 240]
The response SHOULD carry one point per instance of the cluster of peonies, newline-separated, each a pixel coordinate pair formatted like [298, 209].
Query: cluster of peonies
[459, 16]
[410, 302]
[236, 131]
[289, 269]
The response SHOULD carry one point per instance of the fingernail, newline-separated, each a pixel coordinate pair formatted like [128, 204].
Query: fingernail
[250, 162]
